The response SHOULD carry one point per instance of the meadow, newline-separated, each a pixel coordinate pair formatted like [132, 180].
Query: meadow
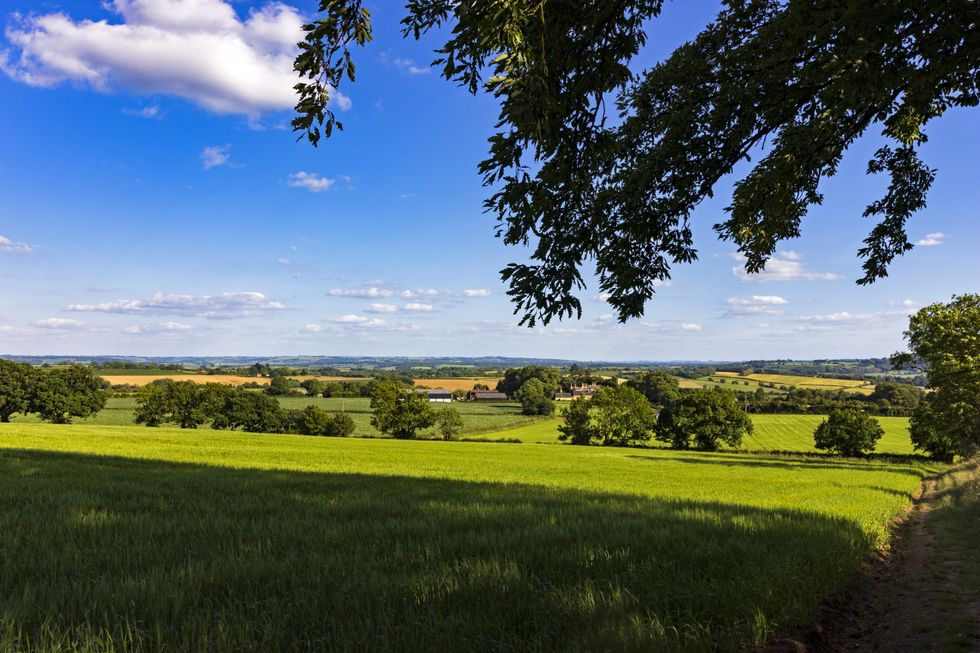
[783, 382]
[123, 537]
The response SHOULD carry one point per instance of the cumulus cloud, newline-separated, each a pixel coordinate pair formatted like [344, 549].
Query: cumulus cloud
[8, 246]
[359, 321]
[311, 328]
[311, 181]
[417, 307]
[932, 240]
[754, 305]
[782, 266]
[673, 327]
[58, 323]
[846, 317]
[199, 50]
[223, 306]
[215, 156]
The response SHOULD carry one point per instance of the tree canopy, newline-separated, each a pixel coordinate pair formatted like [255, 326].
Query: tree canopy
[618, 416]
[944, 341]
[400, 411]
[704, 419]
[596, 161]
[848, 432]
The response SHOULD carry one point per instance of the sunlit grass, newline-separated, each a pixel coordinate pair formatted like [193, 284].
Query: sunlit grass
[150, 539]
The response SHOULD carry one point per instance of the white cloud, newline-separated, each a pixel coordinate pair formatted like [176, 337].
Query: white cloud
[151, 112]
[382, 308]
[311, 181]
[215, 156]
[906, 303]
[477, 292]
[409, 294]
[159, 329]
[199, 50]
[359, 321]
[365, 293]
[671, 327]
[409, 66]
[782, 266]
[846, 317]
[417, 307]
[754, 305]
[8, 246]
[932, 240]
[223, 306]
[58, 323]
[311, 328]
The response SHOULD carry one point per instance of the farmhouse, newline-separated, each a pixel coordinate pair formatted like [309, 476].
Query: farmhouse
[437, 395]
[486, 395]
[583, 391]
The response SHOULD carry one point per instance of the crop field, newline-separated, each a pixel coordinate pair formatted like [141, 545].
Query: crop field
[160, 539]
[795, 433]
[751, 382]
[227, 379]
[457, 384]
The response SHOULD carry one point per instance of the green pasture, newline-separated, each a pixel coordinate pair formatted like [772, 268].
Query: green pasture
[129, 538]
[795, 433]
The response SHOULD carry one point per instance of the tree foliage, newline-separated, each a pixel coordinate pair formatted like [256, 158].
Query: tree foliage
[660, 388]
[399, 411]
[16, 386]
[944, 341]
[596, 160]
[449, 422]
[64, 393]
[704, 419]
[515, 378]
[617, 416]
[535, 398]
[848, 432]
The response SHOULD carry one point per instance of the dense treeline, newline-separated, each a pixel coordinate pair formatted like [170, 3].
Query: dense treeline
[56, 395]
[888, 399]
[190, 405]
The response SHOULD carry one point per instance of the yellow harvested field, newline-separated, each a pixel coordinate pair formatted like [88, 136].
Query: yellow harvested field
[725, 374]
[227, 379]
[813, 381]
[457, 384]
[688, 383]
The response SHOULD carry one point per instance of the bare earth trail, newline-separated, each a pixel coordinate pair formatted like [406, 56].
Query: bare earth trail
[921, 597]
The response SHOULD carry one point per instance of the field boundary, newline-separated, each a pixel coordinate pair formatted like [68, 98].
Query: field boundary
[865, 615]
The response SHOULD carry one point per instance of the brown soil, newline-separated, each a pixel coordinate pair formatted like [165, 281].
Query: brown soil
[890, 608]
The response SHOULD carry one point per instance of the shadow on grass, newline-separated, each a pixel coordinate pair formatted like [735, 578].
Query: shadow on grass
[144, 555]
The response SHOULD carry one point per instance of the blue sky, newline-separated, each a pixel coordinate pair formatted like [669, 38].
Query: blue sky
[152, 202]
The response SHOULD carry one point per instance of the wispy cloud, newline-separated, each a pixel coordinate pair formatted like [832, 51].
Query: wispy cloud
[151, 112]
[58, 324]
[8, 246]
[223, 306]
[370, 292]
[215, 156]
[311, 181]
[932, 240]
[782, 266]
[159, 329]
[184, 48]
[410, 67]
[382, 308]
[417, 307]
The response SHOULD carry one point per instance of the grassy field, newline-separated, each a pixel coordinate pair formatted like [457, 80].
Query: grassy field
[160, 539]
[478, 417]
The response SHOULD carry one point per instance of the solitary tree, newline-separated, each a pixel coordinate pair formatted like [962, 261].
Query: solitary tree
[341, 426]
[805, 79]
[704, 419]
[313, 387]
[399, 411]
[449, 422]
[848, 432]
[944, 340]
[16, 380]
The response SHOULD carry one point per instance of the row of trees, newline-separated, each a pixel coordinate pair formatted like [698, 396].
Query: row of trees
[623, 415]
[56, 395]
[190, 405]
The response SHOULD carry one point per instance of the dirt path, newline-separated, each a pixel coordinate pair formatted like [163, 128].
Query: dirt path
[906, 601]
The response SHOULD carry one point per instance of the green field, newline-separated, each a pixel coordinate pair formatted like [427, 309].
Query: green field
[160, 539]
[478, 417]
